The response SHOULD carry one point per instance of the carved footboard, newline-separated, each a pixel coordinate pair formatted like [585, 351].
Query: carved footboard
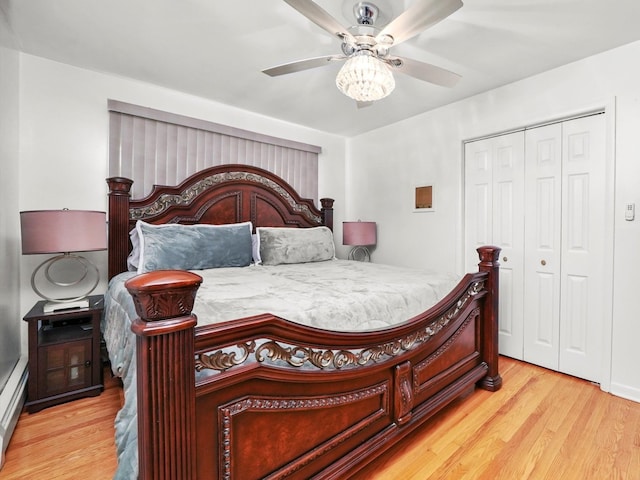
[273, 399]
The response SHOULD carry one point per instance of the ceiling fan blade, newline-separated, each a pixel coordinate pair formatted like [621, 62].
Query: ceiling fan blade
[300, 65]
[417, 18]
[321, 18]
[424, 71]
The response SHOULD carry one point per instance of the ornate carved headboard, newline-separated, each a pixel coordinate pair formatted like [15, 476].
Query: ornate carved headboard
[217, 195]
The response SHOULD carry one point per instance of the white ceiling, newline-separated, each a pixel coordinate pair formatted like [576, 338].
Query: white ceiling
[216, 49]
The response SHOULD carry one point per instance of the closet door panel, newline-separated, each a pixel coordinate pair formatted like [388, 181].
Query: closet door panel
[577, 207]
[574, 312]
[508, 234]
[494, 198]
[542, 262]
[544, 333]
[478, 199]
[481, 223]
[582, 311]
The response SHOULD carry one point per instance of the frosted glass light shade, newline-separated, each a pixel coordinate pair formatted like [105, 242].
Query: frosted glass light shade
[365, 78]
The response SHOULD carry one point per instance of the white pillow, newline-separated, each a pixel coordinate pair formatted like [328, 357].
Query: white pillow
[134, 256]
[255, 249]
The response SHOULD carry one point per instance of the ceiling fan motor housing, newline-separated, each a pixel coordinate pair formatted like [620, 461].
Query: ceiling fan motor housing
[366, 13]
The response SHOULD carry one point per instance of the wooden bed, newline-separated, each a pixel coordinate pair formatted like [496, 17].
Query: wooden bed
[339, 401]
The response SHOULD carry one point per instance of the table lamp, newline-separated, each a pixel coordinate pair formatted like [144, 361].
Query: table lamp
[62, 232]
[361, 235]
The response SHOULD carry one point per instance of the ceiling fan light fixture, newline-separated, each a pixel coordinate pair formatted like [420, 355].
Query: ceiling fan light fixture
[365, 78]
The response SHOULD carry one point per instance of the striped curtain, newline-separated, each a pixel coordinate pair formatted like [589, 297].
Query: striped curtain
[155, 147]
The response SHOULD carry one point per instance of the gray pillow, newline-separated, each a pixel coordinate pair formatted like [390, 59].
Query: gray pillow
[193, 247]
[295, 245]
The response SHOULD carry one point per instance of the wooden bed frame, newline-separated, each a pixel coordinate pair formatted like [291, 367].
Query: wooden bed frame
[280, 400]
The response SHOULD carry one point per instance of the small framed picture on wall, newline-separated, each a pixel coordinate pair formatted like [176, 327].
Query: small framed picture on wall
[423, 198]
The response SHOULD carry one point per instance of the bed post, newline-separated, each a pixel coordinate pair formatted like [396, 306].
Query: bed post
[118, 224]
[489, 263]
[166, 373]
[327, 212]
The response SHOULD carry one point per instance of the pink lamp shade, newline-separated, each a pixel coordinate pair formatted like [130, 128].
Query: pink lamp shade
[63, 231]
[359, 233]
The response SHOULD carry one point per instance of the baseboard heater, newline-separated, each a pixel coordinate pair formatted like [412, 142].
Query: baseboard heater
[12, 400]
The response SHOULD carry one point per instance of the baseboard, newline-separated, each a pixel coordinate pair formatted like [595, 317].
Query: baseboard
[625, 391]
[12, 400]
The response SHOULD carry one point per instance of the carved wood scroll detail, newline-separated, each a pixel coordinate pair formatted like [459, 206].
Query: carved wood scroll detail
[266, 404]
[165, 201]
[224, 360]
[155, 305]
[297, 356]
[404, 398]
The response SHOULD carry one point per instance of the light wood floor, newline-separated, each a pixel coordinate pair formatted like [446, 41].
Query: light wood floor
[540, 425]
[72, 441]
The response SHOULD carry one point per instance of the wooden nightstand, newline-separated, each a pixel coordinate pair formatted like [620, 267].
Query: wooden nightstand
[64, 354]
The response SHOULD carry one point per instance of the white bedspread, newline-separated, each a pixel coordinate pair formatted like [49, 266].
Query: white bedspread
[334, 295]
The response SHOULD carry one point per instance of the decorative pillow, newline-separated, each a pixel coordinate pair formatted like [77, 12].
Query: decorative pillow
[193, 247]
[255, 249]
[295, 245]
[134, 256]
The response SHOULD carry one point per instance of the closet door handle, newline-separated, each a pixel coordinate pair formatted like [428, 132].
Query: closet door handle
[504, 259]
[543, 262]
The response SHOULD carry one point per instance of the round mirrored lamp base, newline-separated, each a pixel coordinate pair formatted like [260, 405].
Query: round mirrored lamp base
[360, 254]
[84, 279]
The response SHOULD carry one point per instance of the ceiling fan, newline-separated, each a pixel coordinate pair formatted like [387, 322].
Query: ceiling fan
[366, 75]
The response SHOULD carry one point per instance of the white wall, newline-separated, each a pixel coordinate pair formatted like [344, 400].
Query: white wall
[11, 370]
[385, 165]
[9, 225]
[64, 127]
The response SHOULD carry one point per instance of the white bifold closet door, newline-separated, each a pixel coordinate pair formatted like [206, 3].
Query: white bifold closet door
[564, 246]
[547, 214]
[494, 202]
